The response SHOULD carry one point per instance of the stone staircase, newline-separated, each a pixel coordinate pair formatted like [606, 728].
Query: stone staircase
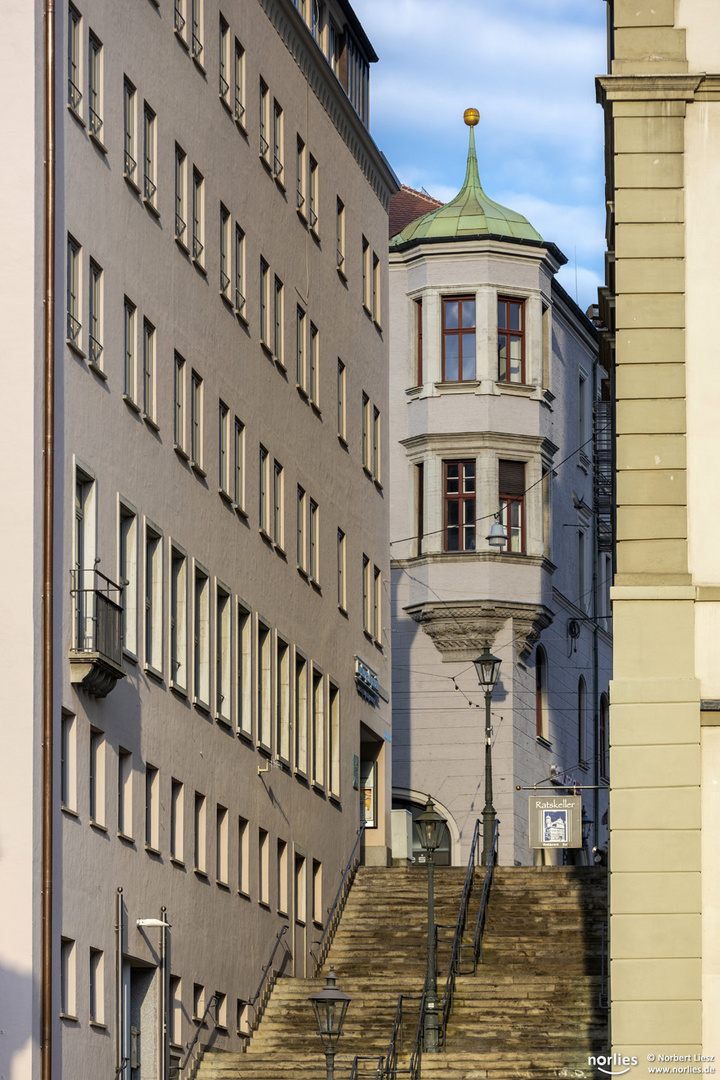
[530, 1013]
[379, 952]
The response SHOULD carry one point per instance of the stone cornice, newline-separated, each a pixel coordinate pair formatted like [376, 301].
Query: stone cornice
[458, 629]
[679, 87]
[331, 95]
[451, 442]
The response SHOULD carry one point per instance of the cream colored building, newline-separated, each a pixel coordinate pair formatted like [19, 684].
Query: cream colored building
[662, 109]
[494, 386]
[216, 546]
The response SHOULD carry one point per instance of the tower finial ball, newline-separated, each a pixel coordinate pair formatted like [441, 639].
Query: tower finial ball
[471, 117]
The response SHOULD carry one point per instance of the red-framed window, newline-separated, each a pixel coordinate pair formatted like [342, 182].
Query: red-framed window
[512, 503]
[511, 340]
[458, 333]
[459, 497]
[418, 333]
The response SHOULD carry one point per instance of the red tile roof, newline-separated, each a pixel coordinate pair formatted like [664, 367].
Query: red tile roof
[407, 205]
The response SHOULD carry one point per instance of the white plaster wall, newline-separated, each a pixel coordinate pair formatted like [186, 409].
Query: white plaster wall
[710, 751]
[20, 537]
[702, 33]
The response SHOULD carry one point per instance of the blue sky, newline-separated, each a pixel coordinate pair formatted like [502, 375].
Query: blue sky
[529, 66]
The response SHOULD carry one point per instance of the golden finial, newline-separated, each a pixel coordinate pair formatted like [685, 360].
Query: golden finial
[471, 117]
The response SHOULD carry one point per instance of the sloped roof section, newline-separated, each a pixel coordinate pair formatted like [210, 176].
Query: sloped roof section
[408, 205]
[470, 213]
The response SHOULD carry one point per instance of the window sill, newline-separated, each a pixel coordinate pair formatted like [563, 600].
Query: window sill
[153, 851]
[302, 215]
[154, 673]
[128, 654]
[280, 363]
[342, 275]
[225, 102]
[204, 875]
[131, 183]
[198, 63]
[377, 324]
[245, 734]
[151, 207]
[181, 39]
[177, 862]
[177, 688]
[316, 409]
[76, 115]
[224, 721]
[316, 585]
[126, 839]
[303, 572]
[225, 496]
[197, 469]
[131, 404]
[244, 893]
[314, 233]
[181, 244]
[505, 386]
[240, 511]
[266, 162]
[97, 370]
[224, 296]
[98, 1025]
[368, 472]
[200, 704]
[99, 144]
[221, 885]
[343, 442]
[367, 310]
[542, 741]
[266, 349]
[343, 611]
[300, 774]
[264, 904]
[317, 785]
[197, 263]
[150, 422]
[70, 812]
[335, 799]
[181, 452]
[97, 826]
[69, 1017]
[240, 314]
[280, 550]
[457, 384]
[75, 348]
[302, 391]
[280, 183]
[240, 126]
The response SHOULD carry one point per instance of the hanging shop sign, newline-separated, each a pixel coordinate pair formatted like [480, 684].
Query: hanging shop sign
[555, 821]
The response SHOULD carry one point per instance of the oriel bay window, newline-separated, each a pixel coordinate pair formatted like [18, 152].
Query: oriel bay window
[460, 513]
[511, 340]
[458, 330]
[512, 503]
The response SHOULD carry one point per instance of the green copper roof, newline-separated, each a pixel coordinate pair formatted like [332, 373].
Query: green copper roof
[470, 213]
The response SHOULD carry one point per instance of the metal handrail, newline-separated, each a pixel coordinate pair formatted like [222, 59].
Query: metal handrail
[191, 1046]
[482, 913]
[392, 1050]
[417, 1050]
[280, 934]
[351, 867]
[355, 1070]
[455, 953]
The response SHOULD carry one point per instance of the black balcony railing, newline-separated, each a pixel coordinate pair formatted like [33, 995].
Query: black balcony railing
[96, 649]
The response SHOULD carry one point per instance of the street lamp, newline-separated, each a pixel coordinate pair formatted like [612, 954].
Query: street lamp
[487, 667]
[430, 828]
[497, 537]
[330, 1006]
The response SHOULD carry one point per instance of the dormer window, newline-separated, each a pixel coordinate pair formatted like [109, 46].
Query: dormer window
[458, 330]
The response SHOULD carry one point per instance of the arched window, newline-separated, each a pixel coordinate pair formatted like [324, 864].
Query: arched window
[603, 742]
[541, 718]
[582, 750]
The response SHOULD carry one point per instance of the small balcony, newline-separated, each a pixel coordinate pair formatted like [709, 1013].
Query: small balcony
[96, 648]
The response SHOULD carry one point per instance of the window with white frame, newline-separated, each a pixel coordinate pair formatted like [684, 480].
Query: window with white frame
[300, 890]
[177, 816]
[377, 605]
[128, 576]
[264, 303]
[221, 875]
[95, 85]
[582, 723]
[366, 439]
[198, 996]
[130, 312]
[224, 252]
[341, 569]
[153, 599]
[366, 590]
[300, 194]
[178, 619]
[317, 908]
[314, 543]
[282, 699]
[179, 403]
[278, 320]
[366, 283]
[196, 23]
[278, 517]
[301, 692]
[180, 196]
[74, 59]
[175, 1018]
[223, 611]
[264, 685]
[180, 20]
[281, 871]
[97, 777]
[340, 236]
[148, 370]
[68, 999]
[152, 808]
[97, 986]
[74, 325]
[314, 374]
[95, 313]
[196, 412]
[314, 208]
[130, 147]
[318, 728]
[376, 288]
[239, 84]
[224, 63]
[300, 348]
[376, 445]
[239, 466]
[301, 514]
[334, 741]
[264, 491]
[200, 847]
[150, 156]
[244, 671]
[263, 868]
[278, 154]
[239, 272]
[202, 639]
[68, 762]
[264, 122]
[198, 216]
[243, 856]
[125, 794]
[223, 448]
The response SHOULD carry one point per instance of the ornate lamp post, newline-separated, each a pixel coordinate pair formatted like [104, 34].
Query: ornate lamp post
[330, 1006]
[487, 667]
[430, 828]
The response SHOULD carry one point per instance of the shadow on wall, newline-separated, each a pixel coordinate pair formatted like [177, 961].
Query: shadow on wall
[17, 994]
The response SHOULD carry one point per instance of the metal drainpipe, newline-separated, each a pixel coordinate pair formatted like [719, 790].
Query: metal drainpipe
[119, 936]
[48, 550]
[163, 994]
